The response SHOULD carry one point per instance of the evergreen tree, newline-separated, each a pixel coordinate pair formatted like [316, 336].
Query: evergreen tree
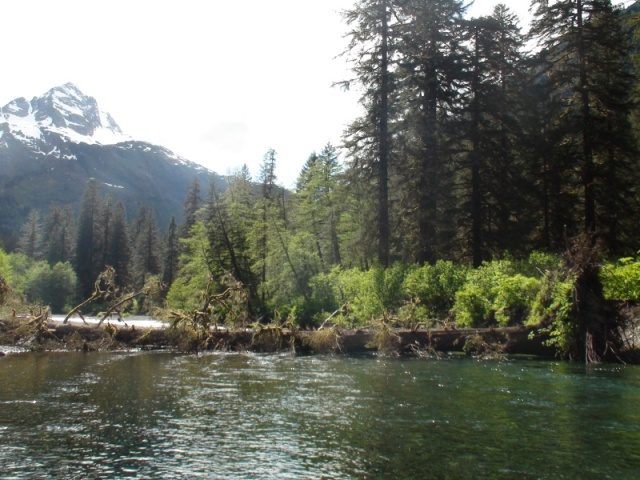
[146, 247]
[432, 72]
[106, 220]
[31, 236]
[192, 204]
[583, 59]
[488, 130]
[59, 241]
[317, 208]
[267, 201]
[119, 249]
[88, 252]
[230, 219]
[172, 251]
[371, 51]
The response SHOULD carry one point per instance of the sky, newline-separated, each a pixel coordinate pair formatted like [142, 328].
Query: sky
[217, 82]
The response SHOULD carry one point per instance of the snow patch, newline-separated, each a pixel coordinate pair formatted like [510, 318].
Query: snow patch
[113, 186]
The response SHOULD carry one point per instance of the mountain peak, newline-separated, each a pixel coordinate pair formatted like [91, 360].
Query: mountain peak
[64, 110]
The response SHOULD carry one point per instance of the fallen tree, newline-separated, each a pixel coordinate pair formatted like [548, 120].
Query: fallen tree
[273, 338]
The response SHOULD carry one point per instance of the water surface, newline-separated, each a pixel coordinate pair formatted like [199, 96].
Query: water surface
[163, 415]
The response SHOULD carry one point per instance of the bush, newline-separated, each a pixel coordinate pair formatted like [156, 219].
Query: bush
[433, 287]
[54, 287]
[5, 266]
[364, 295]
[553, 310]
[495, 292]
[513, 297]
[471, 307]
[538, 264]
[621, 280]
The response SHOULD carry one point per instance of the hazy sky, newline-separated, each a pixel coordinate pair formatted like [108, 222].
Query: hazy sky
[218, 82]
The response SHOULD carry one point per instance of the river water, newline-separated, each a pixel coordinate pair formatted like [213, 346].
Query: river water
[246, 416]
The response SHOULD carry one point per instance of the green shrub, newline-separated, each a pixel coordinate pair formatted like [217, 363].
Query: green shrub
[473, 300]
[433, 287]
[357, 291]
[5, 266]
[553, 310]
[513, 297]
[471, 307]
[538, 264]
[494, 292]
[621, 280]
[54, 287]
[363, 295]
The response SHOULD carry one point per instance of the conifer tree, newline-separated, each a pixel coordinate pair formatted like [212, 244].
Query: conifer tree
[106, 220]
[267, 201]
[172, 252]
[88, 252]
[59, 242]
[31, 236]
[583, 59]
[432, 51]
[487, 128]
[318, 211]
[192, 203]
[229, 221]
[119, 249]
[371, 51]
[146, 247]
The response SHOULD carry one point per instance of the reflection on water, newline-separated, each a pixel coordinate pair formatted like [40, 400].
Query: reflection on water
[161, 415]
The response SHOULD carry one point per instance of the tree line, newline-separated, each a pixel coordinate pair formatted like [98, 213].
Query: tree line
[82, 246]
[475, 143]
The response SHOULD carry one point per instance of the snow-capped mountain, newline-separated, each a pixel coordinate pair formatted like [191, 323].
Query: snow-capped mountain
[64, 111]
[50, 146]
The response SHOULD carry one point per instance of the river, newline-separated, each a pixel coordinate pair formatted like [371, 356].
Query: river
[247, 416]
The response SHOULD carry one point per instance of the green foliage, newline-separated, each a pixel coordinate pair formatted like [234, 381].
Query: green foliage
[553, 309]
[370, 294]
[19, 265]
[187, 289]
[433, 287]
[472, 306]
[512, 298]
[494, 292]
[53, 286]
[621, 280]
[5, 277]
[538, 264]
[5, 267]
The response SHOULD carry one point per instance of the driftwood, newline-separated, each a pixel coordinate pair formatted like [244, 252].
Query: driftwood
[501, 341]
[507, 341]
[105, 289]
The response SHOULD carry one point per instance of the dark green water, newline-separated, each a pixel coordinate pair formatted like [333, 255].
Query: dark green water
[160, 415]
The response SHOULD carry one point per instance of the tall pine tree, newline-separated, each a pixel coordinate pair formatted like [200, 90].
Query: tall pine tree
[88, 252]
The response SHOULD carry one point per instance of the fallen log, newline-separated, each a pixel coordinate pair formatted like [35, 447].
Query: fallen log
[509, 341]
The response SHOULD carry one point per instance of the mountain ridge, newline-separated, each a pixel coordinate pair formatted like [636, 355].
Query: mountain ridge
[52, 145]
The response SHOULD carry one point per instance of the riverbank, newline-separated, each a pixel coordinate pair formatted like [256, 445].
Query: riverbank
[112, 336]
